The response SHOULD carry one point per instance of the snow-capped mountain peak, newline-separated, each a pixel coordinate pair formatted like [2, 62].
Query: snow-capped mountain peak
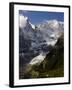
[33, 26]
[54, 24]
[24, 22]
[50, 24]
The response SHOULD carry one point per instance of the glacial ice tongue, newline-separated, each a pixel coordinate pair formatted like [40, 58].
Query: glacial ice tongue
[38, 59]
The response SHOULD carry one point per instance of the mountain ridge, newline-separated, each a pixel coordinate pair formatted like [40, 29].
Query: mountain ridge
[36, 39]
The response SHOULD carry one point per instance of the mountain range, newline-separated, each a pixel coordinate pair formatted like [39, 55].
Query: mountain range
[36, 41]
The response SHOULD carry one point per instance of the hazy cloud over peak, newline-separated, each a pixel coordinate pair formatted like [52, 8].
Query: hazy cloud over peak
[22, 21]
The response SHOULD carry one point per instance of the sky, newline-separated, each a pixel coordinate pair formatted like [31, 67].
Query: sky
[36, 17]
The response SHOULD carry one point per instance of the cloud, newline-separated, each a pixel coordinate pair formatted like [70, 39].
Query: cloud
[22, 21]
